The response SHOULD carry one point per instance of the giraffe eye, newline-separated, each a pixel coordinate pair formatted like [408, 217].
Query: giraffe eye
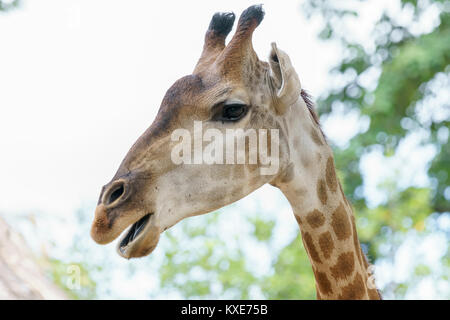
[233, 112]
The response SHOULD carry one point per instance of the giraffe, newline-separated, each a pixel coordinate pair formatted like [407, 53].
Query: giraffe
[230, 88]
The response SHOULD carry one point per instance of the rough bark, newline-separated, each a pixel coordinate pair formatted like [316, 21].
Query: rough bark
[21, 277]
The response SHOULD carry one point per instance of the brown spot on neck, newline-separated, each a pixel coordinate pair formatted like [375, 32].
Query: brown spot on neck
[354, 290]
[374, 294]
[310, 247]
[315, 218]
[344, 266]
[322, 191]
[326, 244]
[340, 223]
[330, 175]
[323, 284]
[357, 245]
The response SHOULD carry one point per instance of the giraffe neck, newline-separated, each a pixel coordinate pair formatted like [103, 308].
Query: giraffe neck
[324, 215]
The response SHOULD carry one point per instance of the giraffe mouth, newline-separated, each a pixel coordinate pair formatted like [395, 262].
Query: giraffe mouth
[140, 238]
[135, 229]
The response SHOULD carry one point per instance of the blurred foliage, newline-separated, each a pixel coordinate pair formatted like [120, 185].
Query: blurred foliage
[192, 270]
[292, 276]
[9, 5]
[74, 272]
[65, 275]
[209, 267]
[406, 62]
[403, 211]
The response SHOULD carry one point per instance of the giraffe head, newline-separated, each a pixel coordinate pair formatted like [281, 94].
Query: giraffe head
[230, 89]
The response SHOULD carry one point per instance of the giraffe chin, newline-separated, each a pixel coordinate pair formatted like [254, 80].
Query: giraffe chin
[140, 239]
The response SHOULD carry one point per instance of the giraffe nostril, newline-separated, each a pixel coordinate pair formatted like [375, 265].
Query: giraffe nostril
[115, 193]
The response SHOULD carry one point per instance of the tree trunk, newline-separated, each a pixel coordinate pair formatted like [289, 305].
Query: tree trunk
[21, 277]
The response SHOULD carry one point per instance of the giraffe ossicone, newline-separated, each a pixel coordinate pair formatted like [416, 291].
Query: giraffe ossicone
[231, 89]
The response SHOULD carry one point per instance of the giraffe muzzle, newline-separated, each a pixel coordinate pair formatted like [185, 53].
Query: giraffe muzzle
[123, 209]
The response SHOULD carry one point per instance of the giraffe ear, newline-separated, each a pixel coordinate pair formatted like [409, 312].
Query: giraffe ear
[285, 80]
